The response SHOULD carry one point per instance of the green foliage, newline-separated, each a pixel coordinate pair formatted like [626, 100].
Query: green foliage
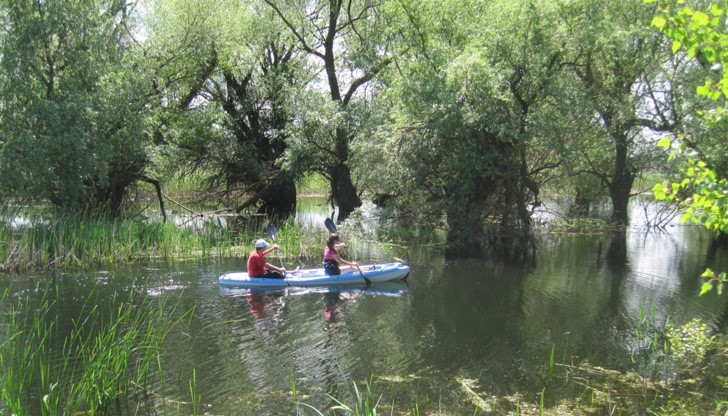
[226, 71]
[72, 119]
[702, 194]
[81, 242]
[582, 226]
[689, 344]
[100, 363]
[702, 190]
[714, 279]
[364, 405]
[312, 184]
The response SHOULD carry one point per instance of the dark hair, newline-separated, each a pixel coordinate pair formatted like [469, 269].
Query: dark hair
[333, 237]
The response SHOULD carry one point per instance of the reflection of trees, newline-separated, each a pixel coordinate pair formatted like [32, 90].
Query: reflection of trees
[616, 263]
[336, 338]
[469, 310]
[717, 243]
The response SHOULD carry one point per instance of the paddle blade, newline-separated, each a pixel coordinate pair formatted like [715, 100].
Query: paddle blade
[271, 230]
[329, 223]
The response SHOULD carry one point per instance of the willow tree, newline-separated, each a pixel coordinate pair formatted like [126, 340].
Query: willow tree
[343, 38]
[72, 107]
[464, 91]
[225, 74]
[625, 72]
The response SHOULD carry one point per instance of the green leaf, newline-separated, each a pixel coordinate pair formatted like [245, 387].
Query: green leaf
[705, 288]
[708, 273]
[659, 22]
[700, 19]
[664, 143]
[708, 54]
[716, 10]
[703, 90]
[676, 45]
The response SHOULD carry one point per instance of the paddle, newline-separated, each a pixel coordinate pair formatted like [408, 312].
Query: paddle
[271, 230]
[329, 223]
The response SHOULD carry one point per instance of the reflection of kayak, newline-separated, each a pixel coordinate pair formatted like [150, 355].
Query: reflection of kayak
[394, 288]
[317, 277]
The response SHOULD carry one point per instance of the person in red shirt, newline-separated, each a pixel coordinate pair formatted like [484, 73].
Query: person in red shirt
[259, 267]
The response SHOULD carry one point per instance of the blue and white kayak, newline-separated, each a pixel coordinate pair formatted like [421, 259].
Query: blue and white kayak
[317, 277]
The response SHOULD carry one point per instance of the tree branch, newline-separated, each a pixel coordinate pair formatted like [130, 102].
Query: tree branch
[295, 32]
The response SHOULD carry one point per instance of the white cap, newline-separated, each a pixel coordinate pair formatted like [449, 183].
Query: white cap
[261, 244]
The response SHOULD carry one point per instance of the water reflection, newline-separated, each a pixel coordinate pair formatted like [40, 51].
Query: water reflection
[267, 308]
[485, 320]
[336, 304]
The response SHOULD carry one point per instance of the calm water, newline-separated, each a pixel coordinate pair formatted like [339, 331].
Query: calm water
[451, 325]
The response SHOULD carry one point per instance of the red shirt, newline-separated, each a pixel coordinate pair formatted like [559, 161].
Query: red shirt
[256, 264]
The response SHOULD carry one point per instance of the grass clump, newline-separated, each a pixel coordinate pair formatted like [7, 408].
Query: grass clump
[96, 368]
[73, 242]
[582, 226]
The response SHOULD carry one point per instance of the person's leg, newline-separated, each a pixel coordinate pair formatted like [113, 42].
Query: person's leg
[332, 268]
[270, 274]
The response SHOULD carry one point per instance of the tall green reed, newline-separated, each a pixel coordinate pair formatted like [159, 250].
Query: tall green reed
[104, 361]
[364, 403]
[79, 241]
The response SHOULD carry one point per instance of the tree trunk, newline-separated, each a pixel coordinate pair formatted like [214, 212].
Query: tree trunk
[158, 188]
[620, 186]
[580, 207]
[343, 191]
[619, 191]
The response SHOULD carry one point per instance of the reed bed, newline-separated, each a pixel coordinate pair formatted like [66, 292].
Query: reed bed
[99, 367]
[76, 242]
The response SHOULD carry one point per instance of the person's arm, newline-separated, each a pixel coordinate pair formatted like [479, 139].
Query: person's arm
[272, 248]
[346, 262]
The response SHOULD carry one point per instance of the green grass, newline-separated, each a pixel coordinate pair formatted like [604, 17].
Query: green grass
[106, 359]
[313, 184]
[77, 242]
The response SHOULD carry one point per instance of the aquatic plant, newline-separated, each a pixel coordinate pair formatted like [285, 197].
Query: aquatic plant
[689, 344]
[100, 364]
[573, 389]
[364, 403]
[77, 242]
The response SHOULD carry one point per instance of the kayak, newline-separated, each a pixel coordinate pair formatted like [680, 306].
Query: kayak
[317, 277]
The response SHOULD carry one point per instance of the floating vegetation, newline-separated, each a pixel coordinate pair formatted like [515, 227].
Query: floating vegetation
[570, 390]
[581, 226]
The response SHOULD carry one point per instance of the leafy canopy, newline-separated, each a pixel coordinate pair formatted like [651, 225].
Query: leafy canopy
[703, 189]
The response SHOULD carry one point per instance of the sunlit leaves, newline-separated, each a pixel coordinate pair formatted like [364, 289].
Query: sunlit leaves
[717, 280]
[702, 194]
[64, 118]
[702, 190]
